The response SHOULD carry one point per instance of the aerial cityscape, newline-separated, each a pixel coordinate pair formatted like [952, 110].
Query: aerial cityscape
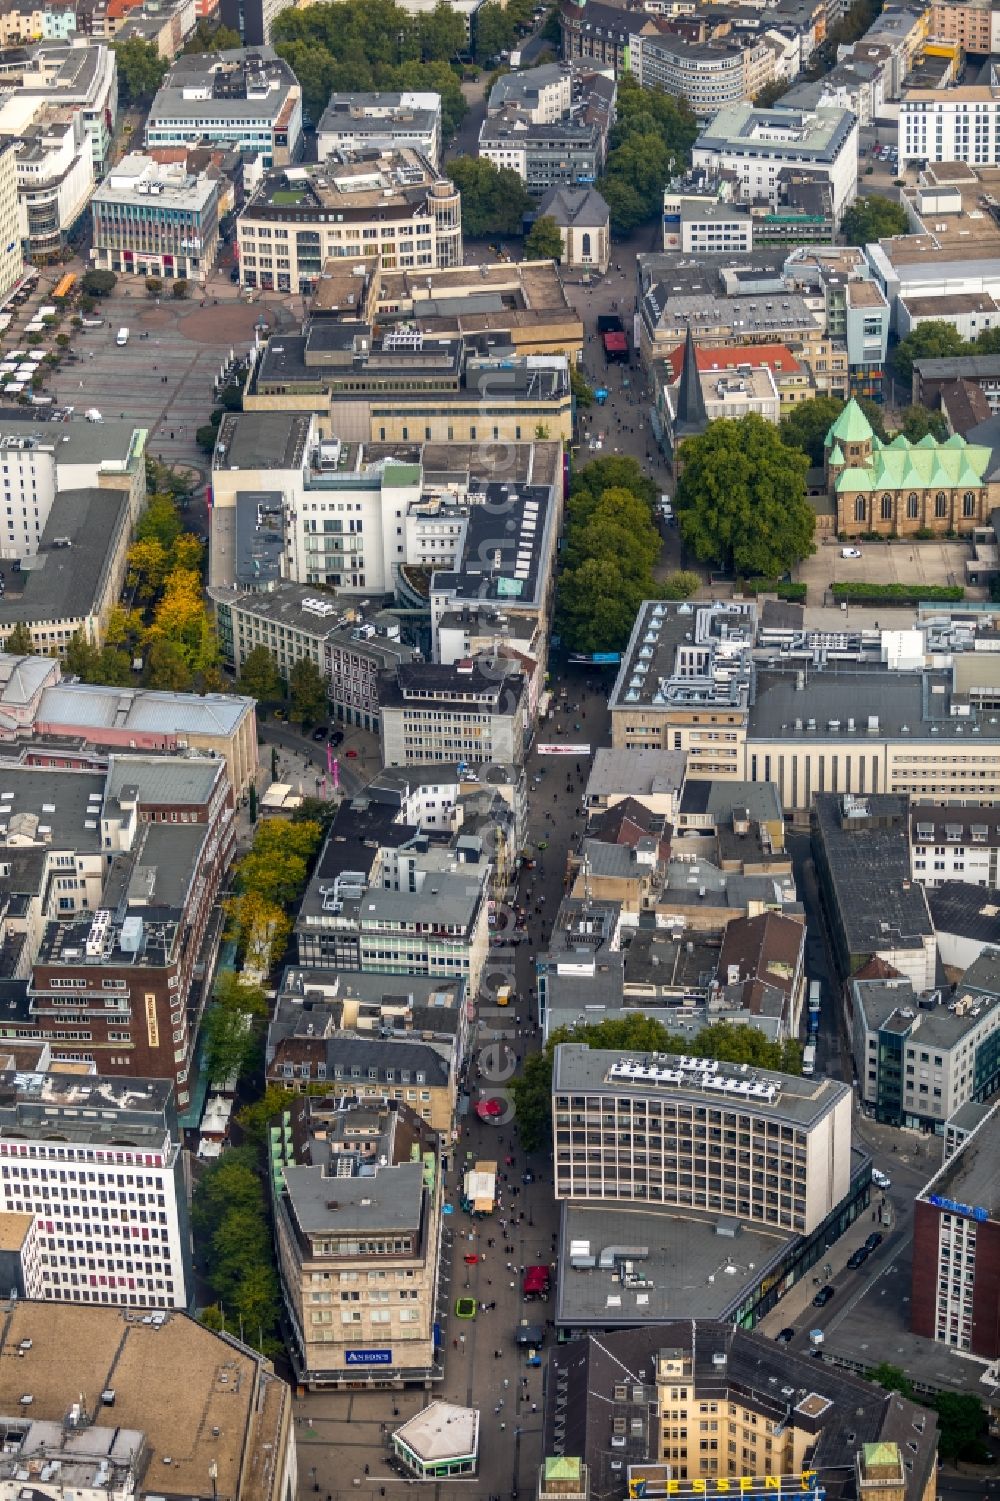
[500, 750]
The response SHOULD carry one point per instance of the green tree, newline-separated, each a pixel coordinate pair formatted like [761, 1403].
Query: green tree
[494, 199]
[442, 33]
[259, 675]
[18, 642]
[543, 241]
[234, 992]
[229, 1045]
[80, 658]
[113, 667]
[372, 44]
[98, 283]
[892, 1379]
[532, 1094]
[154, 285]
[582, 390]
[209, 38]
[741, 500]
[615, 472]
[650, 141]
[180, 289]
[933, 340]
[916, 422]
[494, 31]
[256, 1118]
[206, 435]
[236, 1250]
[680, 584]
[160, 522]
[871, 219]
[771, 93]
[808, 423]
[597, 605]
[166, 668]
[307, 690]
[962, 1427]
[140, 69]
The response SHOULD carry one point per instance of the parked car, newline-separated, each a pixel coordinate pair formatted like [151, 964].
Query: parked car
[880, 1179]
[850, 552]
[320, 732]
[824, 1295]
[784, 1336]
[337, 737]
[857, 1258]
[874, 1240]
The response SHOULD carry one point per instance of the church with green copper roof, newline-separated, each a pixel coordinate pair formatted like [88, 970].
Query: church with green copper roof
[899, 488]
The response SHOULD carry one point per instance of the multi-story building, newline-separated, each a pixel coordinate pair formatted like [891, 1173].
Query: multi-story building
[154, 220]
[951, 125]
[25, 21]
[466, 712]
[599, 34]
[117, 1231]
[104, 1410]
[383, 122]
[956, 1247]
[375, 906]
[39, 462]
[11, 252]
[641, 1403]
[921, 1056]
[549, 125]
[317, 1010]
[710, 75]
[395, 205]
[954, 843]
[251, 100]
[55, 175]
[874, 910]
[357, 1193]
[121, 972]
[80, 76]
[76, 572]
[544, 156]
[755, 144]
[664, 1130]
[406, 387]
[685, 685]
[351, 648]
[42, 716]
[973, 23]
[362, 519]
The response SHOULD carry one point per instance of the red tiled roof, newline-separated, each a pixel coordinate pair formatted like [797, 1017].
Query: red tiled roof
[777, 357]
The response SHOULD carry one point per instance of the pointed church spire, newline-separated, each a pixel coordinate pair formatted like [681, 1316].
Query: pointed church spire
[692, 418]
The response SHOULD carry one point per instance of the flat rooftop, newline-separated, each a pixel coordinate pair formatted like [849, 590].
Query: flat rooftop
[605, 1071]
[972, 1175]
[695, 1266]
[389, 1199]
[63, 580]
[262, 440]
[222, 1406]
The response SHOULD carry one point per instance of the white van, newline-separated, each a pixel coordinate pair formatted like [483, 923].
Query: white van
[122, 338]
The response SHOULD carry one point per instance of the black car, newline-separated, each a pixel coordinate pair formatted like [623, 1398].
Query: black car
[823, 1297]
[858, 1258]
[337, 737]
[784, 1336]
[320, 732]
[874, 1240]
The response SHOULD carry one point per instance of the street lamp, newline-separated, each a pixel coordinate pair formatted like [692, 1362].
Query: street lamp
[213, 1475]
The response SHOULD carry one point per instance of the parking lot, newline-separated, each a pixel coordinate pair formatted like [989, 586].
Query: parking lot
[885, 563]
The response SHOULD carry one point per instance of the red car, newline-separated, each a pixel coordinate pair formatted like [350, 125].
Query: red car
[352, 755]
